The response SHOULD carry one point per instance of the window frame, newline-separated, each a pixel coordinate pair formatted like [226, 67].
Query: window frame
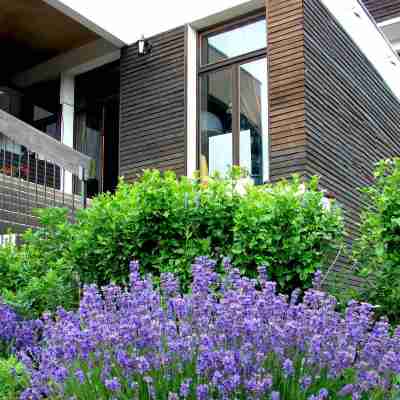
[233, 64]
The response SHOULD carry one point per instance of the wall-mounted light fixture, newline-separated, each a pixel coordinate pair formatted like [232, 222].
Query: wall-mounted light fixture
[144, 46]
[391, 60]
[357, 12]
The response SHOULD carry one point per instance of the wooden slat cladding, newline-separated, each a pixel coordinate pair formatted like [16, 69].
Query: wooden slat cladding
[383, 9]
[152, 133]
[286, 87]
[352, 117]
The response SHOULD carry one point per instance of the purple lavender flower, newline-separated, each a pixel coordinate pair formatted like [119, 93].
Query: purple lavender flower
[305, 382]
[185, 388]
[275, 395]
[202, 392]
[317, 280]
[79, 375]
[262, 273]
[231, 332]
[347, 390]
[288, 368]
[112, 384]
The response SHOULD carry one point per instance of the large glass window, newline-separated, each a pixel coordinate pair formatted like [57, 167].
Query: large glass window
[216, 122]
[233, 100]
[235, 42]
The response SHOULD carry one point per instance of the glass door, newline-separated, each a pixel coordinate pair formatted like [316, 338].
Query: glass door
[97, 135]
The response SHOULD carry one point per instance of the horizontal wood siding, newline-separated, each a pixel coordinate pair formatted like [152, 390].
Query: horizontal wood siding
[352, 117]
[383, 9]
[152, 132]
[286, 87]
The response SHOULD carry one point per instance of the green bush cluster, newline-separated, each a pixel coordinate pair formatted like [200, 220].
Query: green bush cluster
[35, 276]
[13, 378]
[377, 252]
[165, 223]
[286, 228]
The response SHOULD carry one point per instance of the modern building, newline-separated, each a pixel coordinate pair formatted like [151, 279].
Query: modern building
[278, 86]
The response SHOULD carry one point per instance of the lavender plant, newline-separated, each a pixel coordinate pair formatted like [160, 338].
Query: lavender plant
[229, 338]
[17, 334]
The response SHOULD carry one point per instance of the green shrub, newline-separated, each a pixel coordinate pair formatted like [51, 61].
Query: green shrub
[9, 257]
[377, 252]
[165, 223]
[13, 379]
[286, 228]
[35, 276]
[160, 221]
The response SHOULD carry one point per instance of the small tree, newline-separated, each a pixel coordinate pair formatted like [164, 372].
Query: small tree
[377, 252]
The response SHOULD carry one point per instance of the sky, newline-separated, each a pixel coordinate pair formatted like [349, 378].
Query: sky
[128, 20]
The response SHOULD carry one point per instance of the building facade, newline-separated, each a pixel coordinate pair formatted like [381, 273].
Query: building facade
[276, 86]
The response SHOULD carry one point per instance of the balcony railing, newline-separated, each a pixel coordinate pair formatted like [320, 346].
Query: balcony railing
[36, 171]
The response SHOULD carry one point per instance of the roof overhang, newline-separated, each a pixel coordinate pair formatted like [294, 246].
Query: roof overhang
[369, 37]
[32, 32]
[41, 39]
[84, 21]
[391, 28]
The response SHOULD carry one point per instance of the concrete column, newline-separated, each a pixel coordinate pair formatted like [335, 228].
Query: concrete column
[67, 101]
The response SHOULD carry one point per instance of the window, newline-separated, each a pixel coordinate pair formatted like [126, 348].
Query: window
[233, 99]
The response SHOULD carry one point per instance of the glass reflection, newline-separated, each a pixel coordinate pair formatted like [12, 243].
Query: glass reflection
[216, 123]
[253, 119]
[235, 42]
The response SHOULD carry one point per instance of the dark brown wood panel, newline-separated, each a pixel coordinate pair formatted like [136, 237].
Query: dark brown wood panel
[286, 87]
[152, 133]
[383, 9]
[352, 118]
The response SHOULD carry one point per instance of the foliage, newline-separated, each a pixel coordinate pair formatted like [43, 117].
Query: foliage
[162, 221]
[165, 223]
[36, 277]
[286, 228]
[8, 267]
[230, 338]
[378, 249]
[13, 378]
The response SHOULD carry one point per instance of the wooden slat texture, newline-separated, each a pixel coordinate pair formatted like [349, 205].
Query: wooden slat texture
[352, 118]
[382, 10]
[152, 133]
[286, 87]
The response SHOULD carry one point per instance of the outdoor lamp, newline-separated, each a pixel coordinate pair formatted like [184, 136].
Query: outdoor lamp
[144, 46]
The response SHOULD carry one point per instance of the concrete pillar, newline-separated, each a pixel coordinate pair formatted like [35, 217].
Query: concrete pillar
[67, 101]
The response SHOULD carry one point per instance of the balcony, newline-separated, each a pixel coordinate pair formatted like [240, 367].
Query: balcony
[36, 171]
